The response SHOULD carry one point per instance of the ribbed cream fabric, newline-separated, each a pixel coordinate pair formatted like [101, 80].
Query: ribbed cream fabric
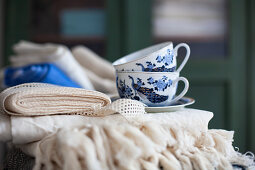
[33, 99]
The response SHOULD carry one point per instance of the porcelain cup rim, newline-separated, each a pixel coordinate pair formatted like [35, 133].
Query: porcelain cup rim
[161, 45]
[152, 73]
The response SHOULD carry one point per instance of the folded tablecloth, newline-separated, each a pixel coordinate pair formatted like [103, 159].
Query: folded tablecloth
[38, 127]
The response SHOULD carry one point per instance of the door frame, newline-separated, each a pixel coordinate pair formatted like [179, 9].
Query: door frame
[251, 73]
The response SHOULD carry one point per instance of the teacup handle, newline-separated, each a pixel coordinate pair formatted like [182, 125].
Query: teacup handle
[186, 57]
[184, 91]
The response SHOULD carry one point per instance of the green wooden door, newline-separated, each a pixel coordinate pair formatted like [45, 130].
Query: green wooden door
[251, 74]
[17, 22]
[218, 83]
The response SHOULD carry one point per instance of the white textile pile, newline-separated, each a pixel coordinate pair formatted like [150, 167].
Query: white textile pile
[81, 65]
[177, 140]
[129, 140]
[39, 99]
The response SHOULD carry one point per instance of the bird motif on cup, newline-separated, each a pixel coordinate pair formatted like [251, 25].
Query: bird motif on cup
[146, 93]
[124, 90]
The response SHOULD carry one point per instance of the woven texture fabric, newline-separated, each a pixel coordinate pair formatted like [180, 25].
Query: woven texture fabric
[149, 145]
[24, 130]
[35, 99]
[38, 99]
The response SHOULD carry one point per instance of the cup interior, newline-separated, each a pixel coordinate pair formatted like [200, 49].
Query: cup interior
[141, 73]
[140, 54]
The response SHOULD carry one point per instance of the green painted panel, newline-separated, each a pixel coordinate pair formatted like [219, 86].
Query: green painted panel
[251, 73]
[237, 91]
[136, 25]
[16, 24]
[113, 29]
[210, 97]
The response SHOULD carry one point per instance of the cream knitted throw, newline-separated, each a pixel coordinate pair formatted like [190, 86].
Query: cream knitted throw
[130, 140]
[144, 144]
[34, 99]
[38, 99]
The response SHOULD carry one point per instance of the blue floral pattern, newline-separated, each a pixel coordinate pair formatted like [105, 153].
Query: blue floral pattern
[166, 60]
[161, 84]
[139, 91]
[124, 90]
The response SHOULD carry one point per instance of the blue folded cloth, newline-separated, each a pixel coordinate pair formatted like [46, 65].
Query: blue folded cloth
[43, 73]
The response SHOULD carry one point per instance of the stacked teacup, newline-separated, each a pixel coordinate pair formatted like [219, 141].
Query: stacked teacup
[151, 75]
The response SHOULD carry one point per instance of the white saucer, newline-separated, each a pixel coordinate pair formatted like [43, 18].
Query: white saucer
[184, 101]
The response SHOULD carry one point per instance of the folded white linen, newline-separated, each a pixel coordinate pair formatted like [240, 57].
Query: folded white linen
[30, 129]
[30, 53]
[91, 61]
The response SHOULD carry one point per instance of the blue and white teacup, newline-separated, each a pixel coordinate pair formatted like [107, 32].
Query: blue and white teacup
[157, 58]
[151, 88]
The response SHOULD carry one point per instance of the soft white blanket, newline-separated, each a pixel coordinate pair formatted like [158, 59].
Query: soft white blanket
[172, 141]
[175, 140]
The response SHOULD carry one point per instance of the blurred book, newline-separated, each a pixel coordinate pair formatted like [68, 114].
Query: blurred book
[189, 18]
[83, 22]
